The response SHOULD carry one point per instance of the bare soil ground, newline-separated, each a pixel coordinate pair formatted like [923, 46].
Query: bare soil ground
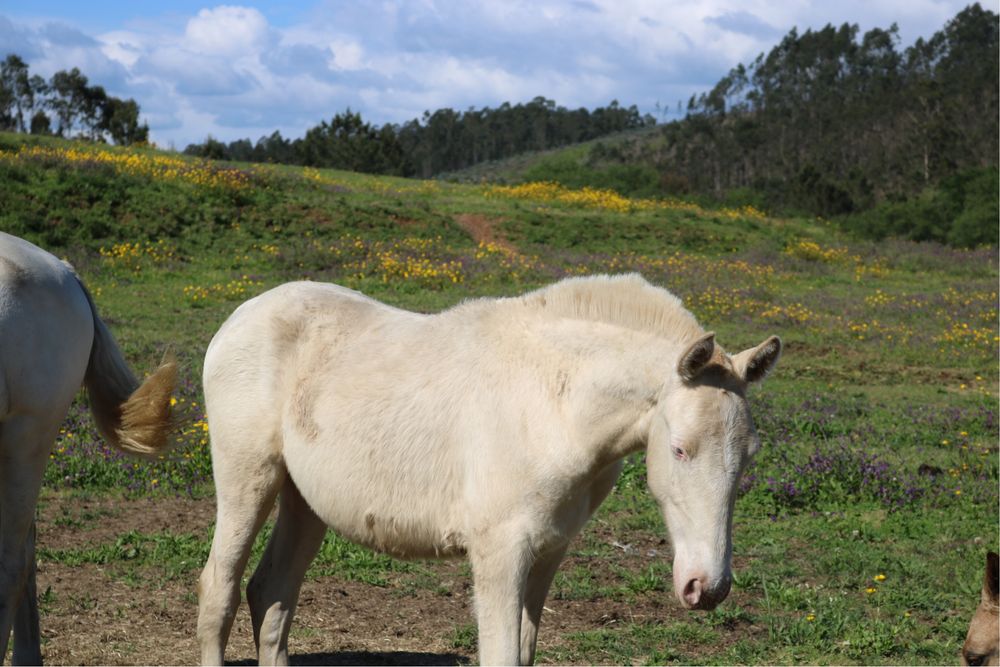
[106, 614]
[483, 229]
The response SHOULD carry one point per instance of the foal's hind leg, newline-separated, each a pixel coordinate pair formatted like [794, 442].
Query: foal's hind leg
[245, 487]
[274, 587]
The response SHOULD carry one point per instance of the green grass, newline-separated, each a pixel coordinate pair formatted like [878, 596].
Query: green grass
[136, 554]
[890, 373]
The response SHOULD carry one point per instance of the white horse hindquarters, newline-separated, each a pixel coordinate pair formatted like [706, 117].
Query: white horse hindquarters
[246, 464]
[46, 331]
[51, 342]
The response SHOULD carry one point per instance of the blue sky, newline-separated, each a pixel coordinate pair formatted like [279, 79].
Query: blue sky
[248, 68]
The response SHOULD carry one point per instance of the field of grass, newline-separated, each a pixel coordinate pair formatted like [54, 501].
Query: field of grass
[860, 533]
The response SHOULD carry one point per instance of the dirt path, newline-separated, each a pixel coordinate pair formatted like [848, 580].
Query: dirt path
[482, 229]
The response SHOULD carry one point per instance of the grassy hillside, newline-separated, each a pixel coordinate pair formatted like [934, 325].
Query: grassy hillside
[861, 529]
[514, 169]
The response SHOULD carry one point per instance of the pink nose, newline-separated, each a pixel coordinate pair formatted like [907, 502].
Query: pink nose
[692, 593]
[698, 595]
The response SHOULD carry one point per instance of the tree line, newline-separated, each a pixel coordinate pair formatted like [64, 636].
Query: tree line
[65, 105]
[442, 141]
[831, 122]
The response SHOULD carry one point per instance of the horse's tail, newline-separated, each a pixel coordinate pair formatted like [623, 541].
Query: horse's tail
[133, 417]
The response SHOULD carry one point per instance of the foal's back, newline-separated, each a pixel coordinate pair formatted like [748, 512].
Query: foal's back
[269, 336]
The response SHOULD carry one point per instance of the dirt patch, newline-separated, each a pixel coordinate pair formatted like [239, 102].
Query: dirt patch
[123, 614]
[66, 522]
[404, 222]
[483, 229]
[114, 614]
[91, 617]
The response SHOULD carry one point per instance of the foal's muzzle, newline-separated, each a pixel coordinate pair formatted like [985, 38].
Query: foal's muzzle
[700, 593]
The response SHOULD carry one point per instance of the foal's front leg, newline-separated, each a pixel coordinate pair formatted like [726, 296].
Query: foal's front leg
[500, 569]
[536, 590]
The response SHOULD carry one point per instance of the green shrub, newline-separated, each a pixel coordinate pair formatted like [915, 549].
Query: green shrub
[963, 211]
[976, 223]
[626, 179]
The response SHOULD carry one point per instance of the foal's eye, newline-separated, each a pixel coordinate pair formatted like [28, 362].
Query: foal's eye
[679, 454]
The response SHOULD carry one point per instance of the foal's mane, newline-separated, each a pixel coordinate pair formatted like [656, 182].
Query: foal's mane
[624, 300]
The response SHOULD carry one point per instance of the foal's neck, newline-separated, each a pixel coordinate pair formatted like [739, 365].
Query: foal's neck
[619, 384]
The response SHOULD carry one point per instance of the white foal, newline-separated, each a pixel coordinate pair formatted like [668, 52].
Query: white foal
[51, 342]
[493, 429]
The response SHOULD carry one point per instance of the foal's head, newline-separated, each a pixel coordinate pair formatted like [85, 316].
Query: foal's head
[699, 444]
[984, 631]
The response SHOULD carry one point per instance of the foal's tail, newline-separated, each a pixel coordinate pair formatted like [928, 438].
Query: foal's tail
[132, 417]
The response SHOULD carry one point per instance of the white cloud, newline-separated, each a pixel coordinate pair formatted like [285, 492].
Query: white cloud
[121, 46]
[226, 70]
[226, 31]
[194, 74]
[346, 54]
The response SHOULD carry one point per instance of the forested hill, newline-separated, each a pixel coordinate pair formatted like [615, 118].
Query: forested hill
[832, 122]
[445, 140]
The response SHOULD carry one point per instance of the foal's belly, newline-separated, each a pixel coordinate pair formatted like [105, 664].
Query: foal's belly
[400, 536]
[401, 517]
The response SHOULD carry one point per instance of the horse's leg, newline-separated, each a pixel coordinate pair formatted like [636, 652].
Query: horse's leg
[544, 569]
[27, 637]
[500, 568]
[537, 589]
[274, 587]
[25, 442]
[246, 483]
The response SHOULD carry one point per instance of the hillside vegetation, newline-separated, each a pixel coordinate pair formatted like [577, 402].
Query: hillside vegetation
[862, 524]
[889, 142]
[892, 142]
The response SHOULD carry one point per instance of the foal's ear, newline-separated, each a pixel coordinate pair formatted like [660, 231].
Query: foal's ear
[753, 364]
[991, 582]
[696, 357]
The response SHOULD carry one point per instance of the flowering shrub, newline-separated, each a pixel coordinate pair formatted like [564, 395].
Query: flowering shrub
[417, 261]
[237, 289]
[842, 473]
[199, 172]
[134, 256]
[812, 251]
[608, 200]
